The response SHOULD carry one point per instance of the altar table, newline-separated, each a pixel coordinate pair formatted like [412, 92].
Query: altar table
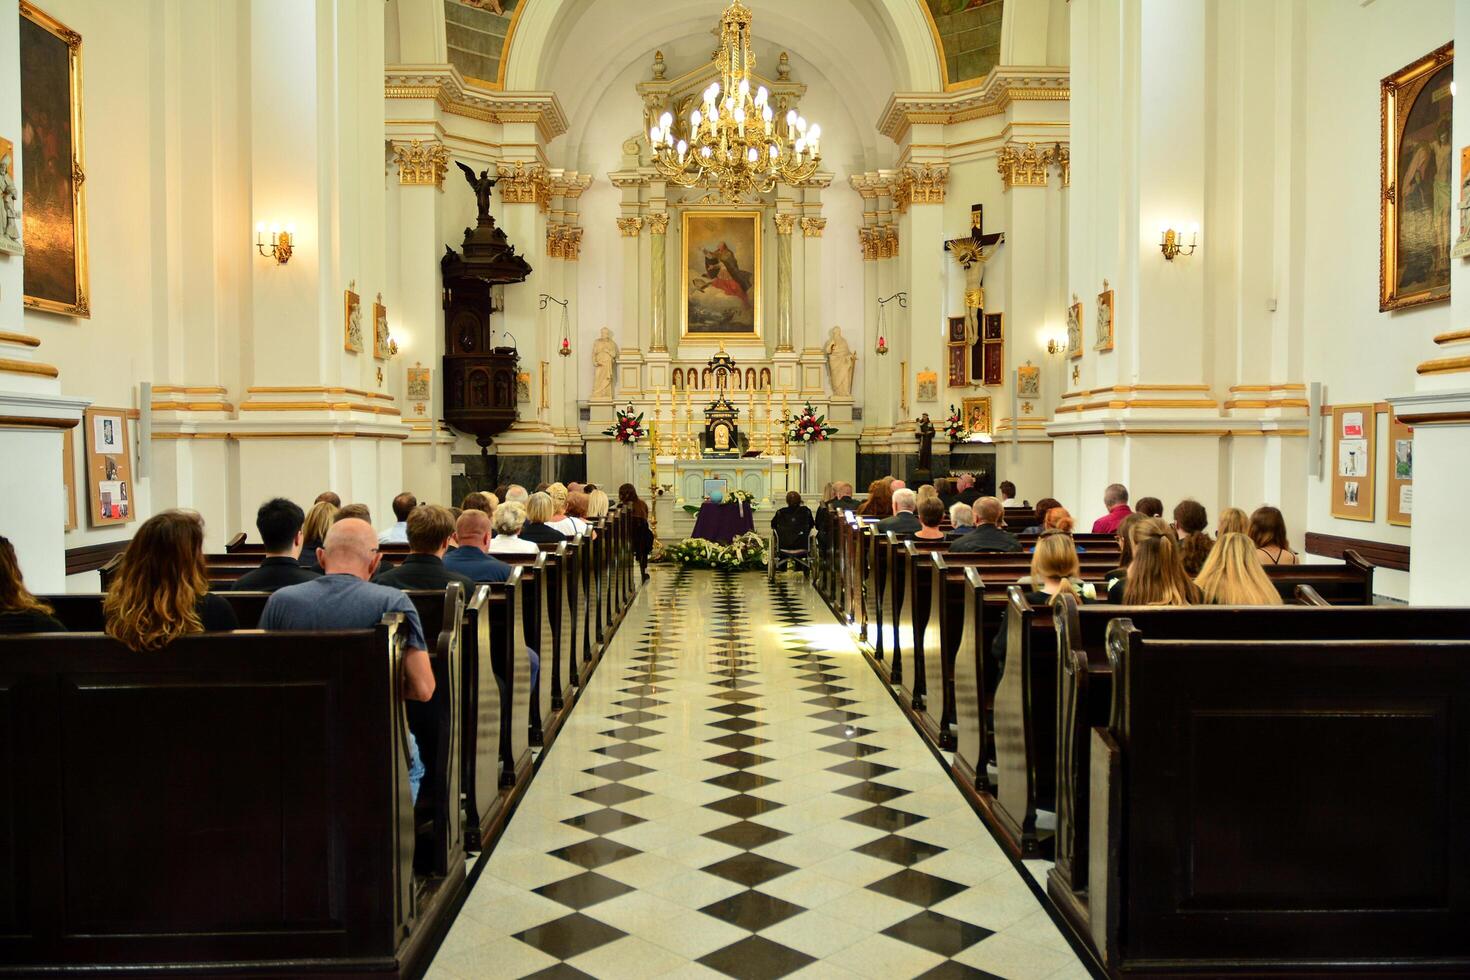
[723, 522]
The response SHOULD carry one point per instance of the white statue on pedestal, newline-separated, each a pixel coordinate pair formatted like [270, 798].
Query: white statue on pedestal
[604, 353]
[840, 363]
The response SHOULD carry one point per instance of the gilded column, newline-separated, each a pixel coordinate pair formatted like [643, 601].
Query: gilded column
[784, 224]
[658, 225]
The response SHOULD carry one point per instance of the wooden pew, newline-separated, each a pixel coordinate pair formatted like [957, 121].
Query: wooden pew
[1230, 826]
[542, 619]
[237, 803]
[495, 747]
[1086, 688]
[1348, 584]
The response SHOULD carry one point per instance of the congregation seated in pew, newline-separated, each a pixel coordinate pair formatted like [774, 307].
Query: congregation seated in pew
[344, 598]
[403, 505]
[962, 519]
[1268, 531]
[987, 535]
[21, 612]
[1190, 522]
[1156, 576]
[1232, 575]
[902, 520]
[280, 524]
[1054, 569]
[931, 516]
[507, 523]
[160, 590]
[540, 511]
[319, 521]
[471, 558]
[431, 531]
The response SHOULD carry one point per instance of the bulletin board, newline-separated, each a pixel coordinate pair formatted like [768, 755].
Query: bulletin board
[110, 485]
[1353, 430]
[1400, 471]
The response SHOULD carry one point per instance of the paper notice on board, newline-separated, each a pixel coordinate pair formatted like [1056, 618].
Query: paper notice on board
[1352, 425]
[1352, 457]
[1406, 499]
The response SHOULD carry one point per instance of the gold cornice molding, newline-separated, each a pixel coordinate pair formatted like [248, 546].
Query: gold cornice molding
[189, 389]
[9, 366]
[1001, 88]
[920, 183]
[1445, 365]
[421, 164]
[303, 434]
[522, 183]
[20, 339]
[445, 86]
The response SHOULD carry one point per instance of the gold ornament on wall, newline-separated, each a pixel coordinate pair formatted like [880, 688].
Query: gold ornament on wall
[784, 223]
[630, 226]
[812, 227]
[1025, 167]
[658, 223]
[920, 184]
[522, 184]
[421, 163]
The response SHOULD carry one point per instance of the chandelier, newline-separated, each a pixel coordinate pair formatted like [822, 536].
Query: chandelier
[735, 142]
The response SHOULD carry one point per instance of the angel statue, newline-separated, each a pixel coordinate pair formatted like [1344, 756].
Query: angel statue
[481, 185]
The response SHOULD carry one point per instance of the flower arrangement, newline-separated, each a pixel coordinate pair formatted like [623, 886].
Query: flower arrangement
[744, 498]
[627, 428]
[810, 427]
[746, 552]
[954, 426]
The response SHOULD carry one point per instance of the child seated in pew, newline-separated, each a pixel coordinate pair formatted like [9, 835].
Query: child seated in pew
[21, 612]
[161, 589]
[1233, 576]
[1055, 568]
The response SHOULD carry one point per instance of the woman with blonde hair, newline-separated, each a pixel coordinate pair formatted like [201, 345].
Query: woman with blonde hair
[927, 492]
[1156, 575]
[161, 589]
[1054, 566]
[598, 505]
[1233, 576]
[21, 612]
[319, 521]
[540, 510]
[1232, 521]
[558, 494]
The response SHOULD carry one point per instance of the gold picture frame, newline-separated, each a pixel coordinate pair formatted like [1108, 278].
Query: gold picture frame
[351, 320]
[1074, 329]
[53, 182]
[976, 413]
[715, 284]
[380, 330]
[1416, 182]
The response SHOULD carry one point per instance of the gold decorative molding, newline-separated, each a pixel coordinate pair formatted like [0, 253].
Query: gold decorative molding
[20, 339]
[888, 242]
[630, 226]
[658, 223]
[8, 366]
[920, 183]
[554, 241]
[189, 389]
[35, 422]
[1061, 155]
[446, 88]
[192, 407]
[1439, 365]
[567, 184]
[1021, 168]
[1003, 86]
[421, 163]
[869, 240]
[1449, 337]
[812, 227]
[785, 222]
[522, 184]
[318, 407]
[571, 242]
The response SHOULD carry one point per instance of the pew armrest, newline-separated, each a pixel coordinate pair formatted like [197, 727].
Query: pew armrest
[1308, 596]
[1105, 898]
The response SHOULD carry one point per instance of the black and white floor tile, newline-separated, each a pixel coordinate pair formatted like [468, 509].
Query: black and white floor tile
[737, 795]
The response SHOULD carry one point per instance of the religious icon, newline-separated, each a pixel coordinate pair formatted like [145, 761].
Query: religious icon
[352, 320]
[54, 200]
[1462, 244]
[10, 234]
[976, 414]
[1104, 340]
[416, 388]
[721, 281]
[382, 343]
[1028, 381]
[928, 386]
[1417, 191]
[1074, 328]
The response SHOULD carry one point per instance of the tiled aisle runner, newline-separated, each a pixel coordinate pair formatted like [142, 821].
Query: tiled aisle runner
[737, 794]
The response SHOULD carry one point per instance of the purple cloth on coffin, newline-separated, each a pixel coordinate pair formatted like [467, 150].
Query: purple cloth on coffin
[723, 522]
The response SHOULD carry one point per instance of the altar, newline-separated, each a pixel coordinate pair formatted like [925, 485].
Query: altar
[686, 482]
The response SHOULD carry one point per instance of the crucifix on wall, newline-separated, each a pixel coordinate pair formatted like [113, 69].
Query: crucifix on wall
[972, 252]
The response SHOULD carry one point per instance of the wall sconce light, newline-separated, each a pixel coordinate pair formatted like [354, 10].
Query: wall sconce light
[279, 246]
[1171, 242]
[564, 345]
[1056, 347]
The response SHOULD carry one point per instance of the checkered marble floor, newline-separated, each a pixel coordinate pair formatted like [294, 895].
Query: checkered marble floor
[737, 795]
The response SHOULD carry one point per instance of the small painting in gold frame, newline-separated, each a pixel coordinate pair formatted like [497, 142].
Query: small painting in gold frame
[1105, 320]
[1074, 329]
[1416, 177]
[352, 321]
[976, 414]
[380, 330]
[928, 386]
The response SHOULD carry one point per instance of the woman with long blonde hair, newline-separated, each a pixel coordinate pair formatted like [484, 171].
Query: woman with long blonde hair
[161, 589]
[21, 612]
[1233, 576]
[1054, 566]
[1232, 521]
[1156, 576]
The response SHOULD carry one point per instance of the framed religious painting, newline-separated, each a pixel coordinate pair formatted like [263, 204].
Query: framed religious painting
[992, 339]
[957, 330]
[54, 200]
[382, 343]
[109, 466]
[958, 357]
[1416, 196]
[1105, 320]
[927, 386]
[1028, 381]
[720, 288]
[416, 388]
[1074, 328]
[352, 320]
[976, 413]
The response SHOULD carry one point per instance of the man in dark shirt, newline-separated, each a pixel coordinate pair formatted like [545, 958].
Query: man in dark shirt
[792, 524]
[430, 533]
[279, 523]
[904, 520]
[472, 559]
[968, 492]
[987, 535]
[828, 512]
[344, 598]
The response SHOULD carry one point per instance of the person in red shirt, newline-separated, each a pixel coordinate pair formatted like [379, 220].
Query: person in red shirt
[1115, 499]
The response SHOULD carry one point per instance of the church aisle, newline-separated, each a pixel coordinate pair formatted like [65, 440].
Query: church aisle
[736, 794]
